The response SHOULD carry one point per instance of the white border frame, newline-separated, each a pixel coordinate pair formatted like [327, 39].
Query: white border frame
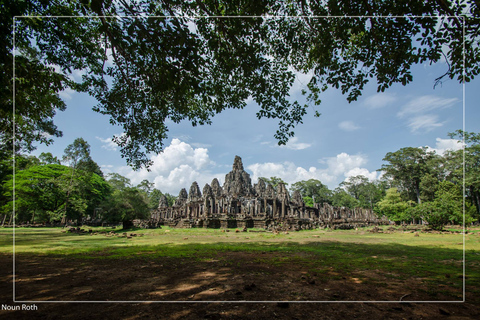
[462, 18]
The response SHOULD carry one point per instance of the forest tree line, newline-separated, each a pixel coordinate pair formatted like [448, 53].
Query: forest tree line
[416, 185]
[73, 189]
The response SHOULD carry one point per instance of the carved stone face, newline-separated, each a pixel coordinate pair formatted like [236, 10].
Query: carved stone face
[269, 192]
[183, 194]
[194, 193]
[237, 181]
[207, 191]
[163, 203]
[237, 164]
[216, 188]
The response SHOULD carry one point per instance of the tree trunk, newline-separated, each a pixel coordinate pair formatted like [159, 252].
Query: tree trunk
[3, 220]
[33, 216]
[127, 224]
[64, 218]
[476, 199]
[417, 193]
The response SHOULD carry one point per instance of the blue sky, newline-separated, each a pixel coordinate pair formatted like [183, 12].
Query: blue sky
[346, 140]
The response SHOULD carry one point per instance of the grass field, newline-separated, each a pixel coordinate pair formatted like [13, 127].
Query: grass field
[324, 263]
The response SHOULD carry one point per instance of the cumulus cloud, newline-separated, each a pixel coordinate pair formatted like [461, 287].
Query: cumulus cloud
[176, 167]
[293, 144]
[379, 100]
[289, 172]
[108, 144]
[106, 168]
[66, 94]
[337, 169]
[442, 145]
[344, 162]
[180, 164]
[348, 126]
[418, 112]
[361, 172]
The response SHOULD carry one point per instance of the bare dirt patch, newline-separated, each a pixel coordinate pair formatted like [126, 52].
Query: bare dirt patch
[236, 277]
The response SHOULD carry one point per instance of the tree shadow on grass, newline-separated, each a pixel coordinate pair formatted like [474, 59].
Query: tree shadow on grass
[223, 271]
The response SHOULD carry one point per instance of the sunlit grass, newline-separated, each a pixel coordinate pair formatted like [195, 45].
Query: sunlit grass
[53, 240]
[434, 257]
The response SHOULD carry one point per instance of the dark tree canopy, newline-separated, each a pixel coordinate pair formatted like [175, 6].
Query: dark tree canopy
[168, 66]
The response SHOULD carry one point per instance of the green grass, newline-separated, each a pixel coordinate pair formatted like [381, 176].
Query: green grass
[437, 258]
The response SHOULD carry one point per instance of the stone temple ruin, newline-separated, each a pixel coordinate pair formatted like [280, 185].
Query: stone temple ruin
[238, 204]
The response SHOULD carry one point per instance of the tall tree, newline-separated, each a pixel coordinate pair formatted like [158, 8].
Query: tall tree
[154, 198]
[367, 193]
[176, 68]
[341, 198]
[77, 155]
[273, 181]
[118, 181]
[393, 206]
[354, 185]
[407, 167]
[447, 207]
[146, 186]
[125, 205]
[314, 189]
[41, 192]
[455, 161]
[48, 158]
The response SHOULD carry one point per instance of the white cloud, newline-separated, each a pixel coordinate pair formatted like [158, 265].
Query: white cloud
[288, 172]
[177, 167]
[348, 126]
[108, 144]
[192, 26]
[424, 104]
[76, 75]
[301, 81]
[337, 169]
[426, 123]
[200, 145]
[66, 94]
[293, 144]
[110, 59]
[443, 145]
[361, 172]
[344, 162]
[106, 168]
[180, 164]
[418, 112]
[183, 137]
[379, 100]
[46, 135]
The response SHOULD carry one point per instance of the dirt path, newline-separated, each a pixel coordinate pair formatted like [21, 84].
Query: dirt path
[233, 276]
